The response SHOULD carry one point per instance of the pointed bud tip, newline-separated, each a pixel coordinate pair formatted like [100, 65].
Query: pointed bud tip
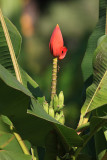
[57, 25]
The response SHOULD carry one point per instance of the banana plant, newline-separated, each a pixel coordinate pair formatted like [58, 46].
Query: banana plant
[28, 122]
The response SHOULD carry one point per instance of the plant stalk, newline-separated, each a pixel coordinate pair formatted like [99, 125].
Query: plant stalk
[54, 78]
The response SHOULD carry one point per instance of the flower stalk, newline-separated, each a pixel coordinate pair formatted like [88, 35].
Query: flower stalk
[54, 78]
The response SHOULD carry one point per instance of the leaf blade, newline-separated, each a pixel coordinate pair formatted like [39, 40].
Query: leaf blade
[11, 49]
[97, 92]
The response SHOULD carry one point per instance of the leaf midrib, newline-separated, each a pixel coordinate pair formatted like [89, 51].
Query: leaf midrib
[99, 86]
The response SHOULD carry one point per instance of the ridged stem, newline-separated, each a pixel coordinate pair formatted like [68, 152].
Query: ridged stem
[54, 78]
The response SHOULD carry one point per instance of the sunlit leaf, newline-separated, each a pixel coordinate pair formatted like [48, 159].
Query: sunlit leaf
[97, 93]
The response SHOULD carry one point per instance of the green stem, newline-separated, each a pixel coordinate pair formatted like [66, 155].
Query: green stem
[54, 78]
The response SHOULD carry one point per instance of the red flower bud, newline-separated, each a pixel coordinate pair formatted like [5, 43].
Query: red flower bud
[56, 45]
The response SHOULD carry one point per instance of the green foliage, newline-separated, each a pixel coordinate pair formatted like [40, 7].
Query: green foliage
[9, 146]
[15, 100]
[5, 58]
[100, 144]
[68, 135]
[87, 67]
[97, 92]
[24, 110]
[9, 155]
[97, 125]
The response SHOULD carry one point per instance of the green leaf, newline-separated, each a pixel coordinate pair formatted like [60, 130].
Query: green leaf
[101, 139]
[96, 95]
[32, 86]
[68, 135]
[87, 67]
[6, 120]
[84, 157]
[14, 101]
[51, 147]
[7, 139]
[97, 126]
[6, 61]
[100, 144]
[97, 123]
[8, 155]
[5, 58]
[4, 128]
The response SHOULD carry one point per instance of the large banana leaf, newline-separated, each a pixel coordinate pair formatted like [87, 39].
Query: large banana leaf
[96, 95]
[6, 61]
[5, 58]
